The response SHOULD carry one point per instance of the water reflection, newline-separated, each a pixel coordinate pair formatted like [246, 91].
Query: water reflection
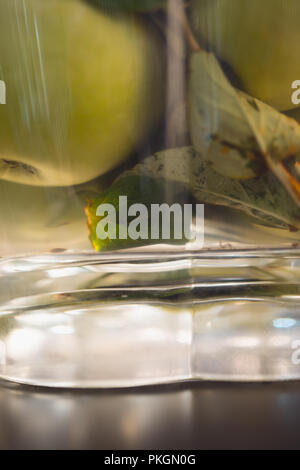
[194, 416]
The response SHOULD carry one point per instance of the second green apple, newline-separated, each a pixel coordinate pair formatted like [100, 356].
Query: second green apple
[259, 39]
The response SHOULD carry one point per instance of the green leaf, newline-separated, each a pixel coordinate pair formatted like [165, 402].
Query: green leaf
[238, 134]
[233, 127]
[129, 5]
[263, 198]
[178, 174]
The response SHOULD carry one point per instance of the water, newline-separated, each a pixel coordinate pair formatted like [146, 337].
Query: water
[86, 320]
[92, 93]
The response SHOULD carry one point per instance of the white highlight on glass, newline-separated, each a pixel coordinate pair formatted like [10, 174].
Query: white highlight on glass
[284, 323]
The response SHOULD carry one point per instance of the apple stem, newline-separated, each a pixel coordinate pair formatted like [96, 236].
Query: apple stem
[180, 13]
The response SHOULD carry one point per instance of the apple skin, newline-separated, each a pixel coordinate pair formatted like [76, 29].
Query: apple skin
[83, 89]
[259, 39]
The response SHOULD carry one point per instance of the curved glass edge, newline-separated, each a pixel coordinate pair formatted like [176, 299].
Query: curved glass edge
[79, 321]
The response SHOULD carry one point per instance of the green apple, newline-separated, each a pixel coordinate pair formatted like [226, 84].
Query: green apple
[83, 89]
[259, 39]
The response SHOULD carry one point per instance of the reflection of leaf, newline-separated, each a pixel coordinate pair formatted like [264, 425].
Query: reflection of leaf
[129, 5]
[236, 133]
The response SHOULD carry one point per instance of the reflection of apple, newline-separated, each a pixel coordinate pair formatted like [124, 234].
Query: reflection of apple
[83, 88]
[259, 39]
[44, 218]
